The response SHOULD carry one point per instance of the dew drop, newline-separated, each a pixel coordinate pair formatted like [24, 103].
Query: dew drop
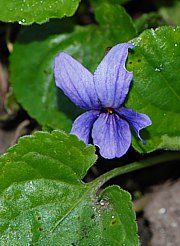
[102, 203]
[160, 68]
[175, 45]
[22, 21]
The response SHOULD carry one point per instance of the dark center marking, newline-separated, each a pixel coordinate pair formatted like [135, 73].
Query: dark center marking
[109, 110]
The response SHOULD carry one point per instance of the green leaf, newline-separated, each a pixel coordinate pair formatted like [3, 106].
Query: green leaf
[32, 76]
[115, 22]
[30, 11]
[44, 201]
[155, 88]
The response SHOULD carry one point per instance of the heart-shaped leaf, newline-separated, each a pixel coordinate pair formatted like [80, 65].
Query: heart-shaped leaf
[30, 11]
[43, 200]
[155, 88]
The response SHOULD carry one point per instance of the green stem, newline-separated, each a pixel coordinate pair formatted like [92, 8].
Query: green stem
[170, 156]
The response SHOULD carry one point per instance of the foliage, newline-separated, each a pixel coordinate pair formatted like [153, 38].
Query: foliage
[156, 53]
[30, 11]
[44, 199]
[45, 103]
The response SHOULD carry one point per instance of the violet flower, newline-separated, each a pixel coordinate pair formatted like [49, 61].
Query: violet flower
[103, 95]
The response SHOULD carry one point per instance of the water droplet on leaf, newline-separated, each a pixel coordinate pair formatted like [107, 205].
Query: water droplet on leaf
[102, 203]
[160, 68]
[22, 21]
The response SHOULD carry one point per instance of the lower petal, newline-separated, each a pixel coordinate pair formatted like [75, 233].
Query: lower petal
[83, 124]
[112, 135]
[138, 121]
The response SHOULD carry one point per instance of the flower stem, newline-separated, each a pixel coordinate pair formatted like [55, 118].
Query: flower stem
[165, 157]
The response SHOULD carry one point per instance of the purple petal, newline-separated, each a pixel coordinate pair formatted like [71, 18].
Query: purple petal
[137, 120]
[83, 124]
[111, 79]
[75, 81]
[112, 135]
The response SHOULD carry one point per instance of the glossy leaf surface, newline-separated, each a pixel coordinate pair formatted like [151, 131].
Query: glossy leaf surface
[30, 11]
[155, 88]
[44, 202]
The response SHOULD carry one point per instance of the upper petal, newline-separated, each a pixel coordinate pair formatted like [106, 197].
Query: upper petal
[75, 81]
[137, 120]
[111, 79]
[112, 135]
[83, 124]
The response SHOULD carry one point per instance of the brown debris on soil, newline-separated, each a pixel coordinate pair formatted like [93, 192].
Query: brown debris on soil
[163, 214]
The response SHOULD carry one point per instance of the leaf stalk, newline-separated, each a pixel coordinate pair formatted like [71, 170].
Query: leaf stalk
[165, 157]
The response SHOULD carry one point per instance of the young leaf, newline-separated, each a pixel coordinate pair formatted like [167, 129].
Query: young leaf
[32, 76]
[155, 88]
[30, 11]
[44, 201]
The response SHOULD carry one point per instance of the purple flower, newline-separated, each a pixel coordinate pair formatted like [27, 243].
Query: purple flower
[103, 95]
